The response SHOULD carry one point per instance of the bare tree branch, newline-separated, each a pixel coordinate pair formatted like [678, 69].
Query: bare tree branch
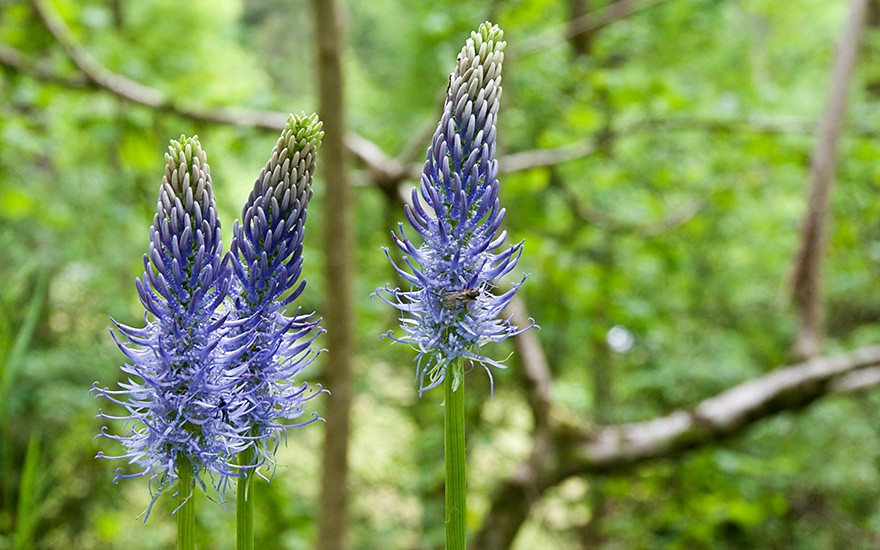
[751, 125]
[616, 11]
[389, 172]
[579, 40]
[97, 76]
[536, 370]
[385, 172]
[857, 381]
[14, 59]
[807, 273]
[130, 90]
[593, 216]
[511, 504]
[539, 158]
[417, 145]
[94, 71]
[588, 22]
[616, 449]
[783, 389]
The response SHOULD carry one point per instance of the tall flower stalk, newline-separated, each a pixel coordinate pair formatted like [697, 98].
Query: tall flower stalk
[450, 311]
[176, 426]
[267, 262]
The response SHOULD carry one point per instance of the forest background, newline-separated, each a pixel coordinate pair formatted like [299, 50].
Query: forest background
[708, 301]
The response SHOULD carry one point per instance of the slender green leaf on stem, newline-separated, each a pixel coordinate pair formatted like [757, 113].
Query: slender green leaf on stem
[456, 483]
[28, 513]
[23, 338]
[186, 511]
[10, 359]
[244, 512]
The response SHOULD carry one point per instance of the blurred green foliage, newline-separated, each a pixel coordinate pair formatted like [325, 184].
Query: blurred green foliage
[705, 107]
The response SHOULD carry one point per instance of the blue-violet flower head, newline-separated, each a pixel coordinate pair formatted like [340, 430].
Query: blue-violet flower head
[267, 260]
[176, 385]
[450, 311]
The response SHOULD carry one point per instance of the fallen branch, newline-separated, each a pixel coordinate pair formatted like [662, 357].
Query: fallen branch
[617, 449]
[784, 389]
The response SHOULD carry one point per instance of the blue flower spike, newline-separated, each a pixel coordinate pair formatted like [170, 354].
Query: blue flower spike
[177, 386]
[267, 261]
[451, 310]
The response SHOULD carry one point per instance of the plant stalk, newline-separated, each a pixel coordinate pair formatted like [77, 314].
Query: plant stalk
[244, 511]
[454, 447]
[186, 512]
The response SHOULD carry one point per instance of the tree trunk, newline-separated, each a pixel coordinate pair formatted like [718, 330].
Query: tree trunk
[338, 251]
[603, 383]
[807, 276]
[580, 35]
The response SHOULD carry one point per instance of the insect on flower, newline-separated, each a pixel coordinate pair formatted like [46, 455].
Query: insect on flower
[456, 214]
[455, 299]
[223, 407]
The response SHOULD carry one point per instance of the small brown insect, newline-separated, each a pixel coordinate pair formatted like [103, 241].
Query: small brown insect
[224, 412]
[454, 299]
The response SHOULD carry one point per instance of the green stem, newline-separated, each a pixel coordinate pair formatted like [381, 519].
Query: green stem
[454, 447]
[186, 513]
[244, 511]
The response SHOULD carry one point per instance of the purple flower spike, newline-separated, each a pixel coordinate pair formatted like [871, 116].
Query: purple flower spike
[450, 311]
[267, 261]
[177, 390]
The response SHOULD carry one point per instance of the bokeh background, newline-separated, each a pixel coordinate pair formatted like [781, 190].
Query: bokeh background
[656, 157]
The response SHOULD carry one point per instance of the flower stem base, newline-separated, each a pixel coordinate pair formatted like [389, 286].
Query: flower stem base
[454, 446]
[244, 510]
[186, 512]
